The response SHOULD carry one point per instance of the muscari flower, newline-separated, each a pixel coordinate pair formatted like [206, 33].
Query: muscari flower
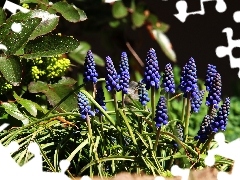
[220, 121]
[196, 102]
[188, 80]
[84, 107]
[205, 129]
[211, 73]
[123, 74]
[90, 73]
[214, 95]
[151, 74]
[112, 80]
[143, 94]
[168, 79]
[100, 100]
[161, 116]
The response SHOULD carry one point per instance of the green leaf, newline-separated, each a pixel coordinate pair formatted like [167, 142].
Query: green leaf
[138, 19]
[163, 27]
[80, 52]
[12, 110]
[49, 45]
[47, 24]
[82, 14]
[28, 1]
[114, 24]
[34, 1]
[30, 106]
[69, 12]
[14, 40]
[39, 86]
[153, 19]
[56, 92]
[2, 16]
[165, 44]
[11, 69]
[119, 10]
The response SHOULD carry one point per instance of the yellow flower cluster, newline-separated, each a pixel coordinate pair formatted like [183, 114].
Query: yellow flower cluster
[5, 86]
[47, 68]
[24, 5]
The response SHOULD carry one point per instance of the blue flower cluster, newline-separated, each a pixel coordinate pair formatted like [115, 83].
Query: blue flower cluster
[214, 122]
[196, 102]
[143, 94]
[168, 79]
[211, 73]
[205, 130]
[124, 75]
[188, 80]
[161, 115]
[220, 121]
[151, 74]
[84, 107]
[90, 74]
[214, 95]
[112, 80]
[100, 100]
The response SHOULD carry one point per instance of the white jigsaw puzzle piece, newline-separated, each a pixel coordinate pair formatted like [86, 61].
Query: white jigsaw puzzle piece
[176, 171]
[222, 51]
[182, 9]
[227, 150]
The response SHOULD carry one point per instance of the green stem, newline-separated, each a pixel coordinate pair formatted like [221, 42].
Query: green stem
[174, 97]
[102, 132]
[183, 108]
[117, 117]
[123, 96]
[210, 138]
[94, 90]
[187, 116]
[157, 139]
[91, 143]
[89, 126]
[140, 125]
[116, 106]
[153, 107]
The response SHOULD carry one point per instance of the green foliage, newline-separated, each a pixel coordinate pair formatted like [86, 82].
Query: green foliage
[69, 12]
[11, 69]
[119, 10]
[56, 93]
[5, 86]
[45, 108]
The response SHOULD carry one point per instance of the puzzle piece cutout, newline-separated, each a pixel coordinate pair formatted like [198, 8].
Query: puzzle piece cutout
[228, 150]
[33, 168]
[176, 171]
[222, 51]
[182, 9]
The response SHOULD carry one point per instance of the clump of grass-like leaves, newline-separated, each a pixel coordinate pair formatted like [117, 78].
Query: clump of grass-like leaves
[136, 132]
